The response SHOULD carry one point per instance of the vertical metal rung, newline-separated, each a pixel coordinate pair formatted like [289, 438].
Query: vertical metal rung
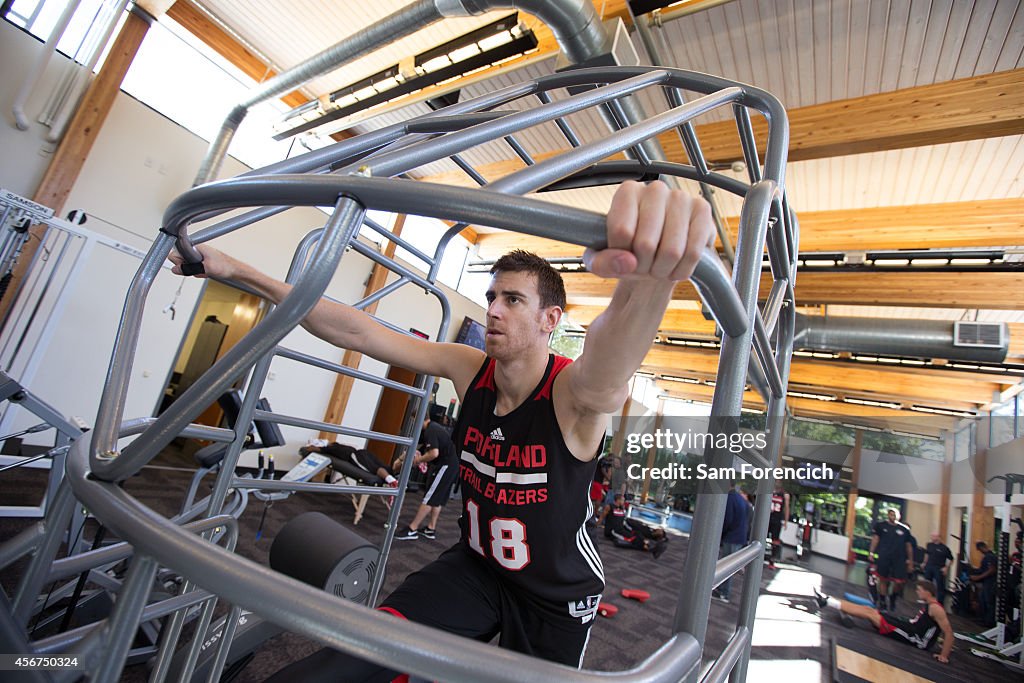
[622, 121]
[563, 125]
[470, 171]
[690, 142]
[763, 349]
[404, 244]
[519, 149]
[747, 141]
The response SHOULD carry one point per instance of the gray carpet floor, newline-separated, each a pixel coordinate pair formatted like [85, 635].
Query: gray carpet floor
[790, 638]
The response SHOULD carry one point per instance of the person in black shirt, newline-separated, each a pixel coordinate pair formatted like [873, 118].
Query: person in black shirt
[437, 449]
[920, 630]
[525, 569]
[985, 577]
[893, 555]
[615, 517]
[777, 522]
[937, 557]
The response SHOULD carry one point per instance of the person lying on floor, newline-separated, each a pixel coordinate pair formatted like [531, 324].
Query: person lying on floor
[359, 458]
[633, 534]
[921, 630]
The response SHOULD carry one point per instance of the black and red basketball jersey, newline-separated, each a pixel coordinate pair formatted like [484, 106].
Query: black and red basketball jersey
[526, 498]
[778, 504]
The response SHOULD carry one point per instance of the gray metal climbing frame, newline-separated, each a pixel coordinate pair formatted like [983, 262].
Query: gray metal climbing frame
[353, 177]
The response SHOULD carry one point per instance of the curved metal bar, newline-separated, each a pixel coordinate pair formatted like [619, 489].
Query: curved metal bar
[702, 556]
[548, 171]
[107, 464]
[613, 172]
[730, 657]
[730, 564]
[337, 623]
[522, 214]
[437, 148]
[393, 151]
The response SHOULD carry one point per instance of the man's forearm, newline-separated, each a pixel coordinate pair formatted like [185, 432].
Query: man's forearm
[331, 321]
[947, 642]
[428, 456]
[619, 339]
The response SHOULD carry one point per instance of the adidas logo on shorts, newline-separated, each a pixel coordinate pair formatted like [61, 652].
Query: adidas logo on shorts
[496, 435]
[585, 609]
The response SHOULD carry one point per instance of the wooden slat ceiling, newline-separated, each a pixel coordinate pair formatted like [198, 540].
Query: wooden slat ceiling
[907, 132]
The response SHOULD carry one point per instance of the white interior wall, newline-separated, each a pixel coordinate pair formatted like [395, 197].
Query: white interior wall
[139, 163]
[911, 478]
[26, 154]
[923, 518]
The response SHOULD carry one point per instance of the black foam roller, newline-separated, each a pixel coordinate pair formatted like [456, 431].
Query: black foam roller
[316, 550]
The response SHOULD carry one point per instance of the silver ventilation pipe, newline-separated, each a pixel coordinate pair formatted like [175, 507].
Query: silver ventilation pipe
[575, 25]
[390, 28]
[891, 337]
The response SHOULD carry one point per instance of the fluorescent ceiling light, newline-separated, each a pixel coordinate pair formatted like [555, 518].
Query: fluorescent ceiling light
[817, 397]
[873, 403]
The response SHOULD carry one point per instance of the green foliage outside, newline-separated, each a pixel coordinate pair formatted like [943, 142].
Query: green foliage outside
[566, 340]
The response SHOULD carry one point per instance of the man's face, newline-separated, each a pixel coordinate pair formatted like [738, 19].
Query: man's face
[935, 538]
[892, 516]
[516, 323]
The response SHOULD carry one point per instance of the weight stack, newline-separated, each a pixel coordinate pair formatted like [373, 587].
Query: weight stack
[316, 550]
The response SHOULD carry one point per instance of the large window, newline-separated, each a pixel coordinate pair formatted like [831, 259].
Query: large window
[1005, 423]
[39, 18]
[964, 442]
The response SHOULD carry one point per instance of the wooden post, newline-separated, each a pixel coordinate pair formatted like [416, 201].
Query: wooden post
[343, 384]
[983, 523]
[947, 482]
[619, 438]
[851, 501]
[82, 131]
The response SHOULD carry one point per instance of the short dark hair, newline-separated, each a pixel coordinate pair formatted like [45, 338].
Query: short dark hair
[981, 545]
[926, 585]
[549, 282]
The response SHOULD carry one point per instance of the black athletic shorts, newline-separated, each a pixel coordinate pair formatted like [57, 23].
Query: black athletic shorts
[775, 528]
[439, 486]
[891, 566]
[460, 594]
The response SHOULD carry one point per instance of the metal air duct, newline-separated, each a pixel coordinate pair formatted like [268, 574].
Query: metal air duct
[894, 337]
[575, 24]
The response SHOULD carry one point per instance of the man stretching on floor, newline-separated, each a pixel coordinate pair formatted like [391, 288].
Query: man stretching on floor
[530, 428]
[920, 630]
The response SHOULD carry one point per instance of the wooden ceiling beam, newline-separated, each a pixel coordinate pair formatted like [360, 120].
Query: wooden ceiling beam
[676, 320]
[899, 420]
[928, 387]
[985, 106]
[880, 288]
[986, 223]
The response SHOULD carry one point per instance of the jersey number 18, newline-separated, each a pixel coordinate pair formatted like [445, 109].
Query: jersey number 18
[507, 538]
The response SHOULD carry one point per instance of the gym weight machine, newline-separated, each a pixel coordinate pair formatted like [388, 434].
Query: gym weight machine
[358, 175]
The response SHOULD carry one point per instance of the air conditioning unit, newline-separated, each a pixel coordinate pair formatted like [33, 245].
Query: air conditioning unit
[980, 335]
